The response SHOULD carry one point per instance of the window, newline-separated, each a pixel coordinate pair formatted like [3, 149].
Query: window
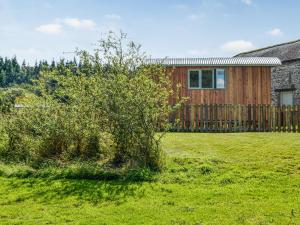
[286, 98]
[206, 79]
[194, 81]
[220, 78]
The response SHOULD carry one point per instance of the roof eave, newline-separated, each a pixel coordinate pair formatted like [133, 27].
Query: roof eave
[222, 62]
[221, 65]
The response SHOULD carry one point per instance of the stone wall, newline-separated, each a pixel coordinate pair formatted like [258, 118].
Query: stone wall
[286, 76]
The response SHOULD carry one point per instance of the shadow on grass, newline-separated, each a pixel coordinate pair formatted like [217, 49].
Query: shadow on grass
[94, 192]
[77, 171]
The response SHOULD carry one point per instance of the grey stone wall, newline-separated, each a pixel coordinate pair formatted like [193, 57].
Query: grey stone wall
[286, 76]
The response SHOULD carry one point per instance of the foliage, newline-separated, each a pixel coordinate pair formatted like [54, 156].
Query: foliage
[110, 109]
[136, 102]
[37, 134]
[8, 98]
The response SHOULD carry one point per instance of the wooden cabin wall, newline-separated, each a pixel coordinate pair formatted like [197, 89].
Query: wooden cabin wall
[244, 85]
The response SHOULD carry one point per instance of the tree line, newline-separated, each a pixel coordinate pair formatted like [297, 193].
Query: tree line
[14, 73]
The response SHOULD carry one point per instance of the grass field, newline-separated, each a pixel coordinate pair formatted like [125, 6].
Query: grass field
[245, 178]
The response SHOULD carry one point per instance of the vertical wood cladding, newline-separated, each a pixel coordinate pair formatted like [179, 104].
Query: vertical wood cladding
[244, 85]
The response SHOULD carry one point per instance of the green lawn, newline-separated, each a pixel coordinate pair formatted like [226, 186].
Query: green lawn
[245, 178]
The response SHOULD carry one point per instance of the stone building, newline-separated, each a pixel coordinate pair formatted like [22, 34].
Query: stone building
[285, 85]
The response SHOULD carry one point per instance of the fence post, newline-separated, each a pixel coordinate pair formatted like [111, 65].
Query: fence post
[192, 118]
[254, 117]
[216, 123]
[298, 118]
[294, 122]
[211, 118]
[201, 118]
[197, 117]
[235, 110]
[221, 117]
[240, 118]
[249, 117]
[230, 118]
[225, 118]
[245, 116]
[269, 118]
[273, 118]
[259, 118]
[205, 118]
[280, 118]
[284, 117]
[177, 120]
[263, 118]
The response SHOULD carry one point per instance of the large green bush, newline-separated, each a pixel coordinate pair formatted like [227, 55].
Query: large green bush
[110, 110]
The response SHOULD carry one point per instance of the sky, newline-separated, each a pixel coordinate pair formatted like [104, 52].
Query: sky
[45, 29]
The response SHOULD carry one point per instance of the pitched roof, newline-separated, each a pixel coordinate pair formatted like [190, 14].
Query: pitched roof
[236, 61]
[285, 51]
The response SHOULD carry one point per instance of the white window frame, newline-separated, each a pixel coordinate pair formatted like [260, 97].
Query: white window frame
[200, 79]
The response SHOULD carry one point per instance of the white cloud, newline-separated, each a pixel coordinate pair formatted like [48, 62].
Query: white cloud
[237, 46]
[247, 2]
[275, 32]
[51, 28]
[57, 25]
[78, 23]
[113, 17]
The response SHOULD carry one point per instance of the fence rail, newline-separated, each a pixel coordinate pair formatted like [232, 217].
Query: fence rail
[236, 118]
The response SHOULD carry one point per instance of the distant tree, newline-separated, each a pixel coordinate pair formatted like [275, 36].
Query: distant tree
[2, 78]
[52, 65]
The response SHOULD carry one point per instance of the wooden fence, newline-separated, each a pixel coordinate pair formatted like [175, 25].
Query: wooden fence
[236, 118]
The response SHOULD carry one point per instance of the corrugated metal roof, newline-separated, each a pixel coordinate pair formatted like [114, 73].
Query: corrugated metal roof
[236, 61]
[285, 51]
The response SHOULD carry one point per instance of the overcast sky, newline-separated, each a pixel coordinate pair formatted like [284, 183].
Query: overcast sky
[44, 29]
